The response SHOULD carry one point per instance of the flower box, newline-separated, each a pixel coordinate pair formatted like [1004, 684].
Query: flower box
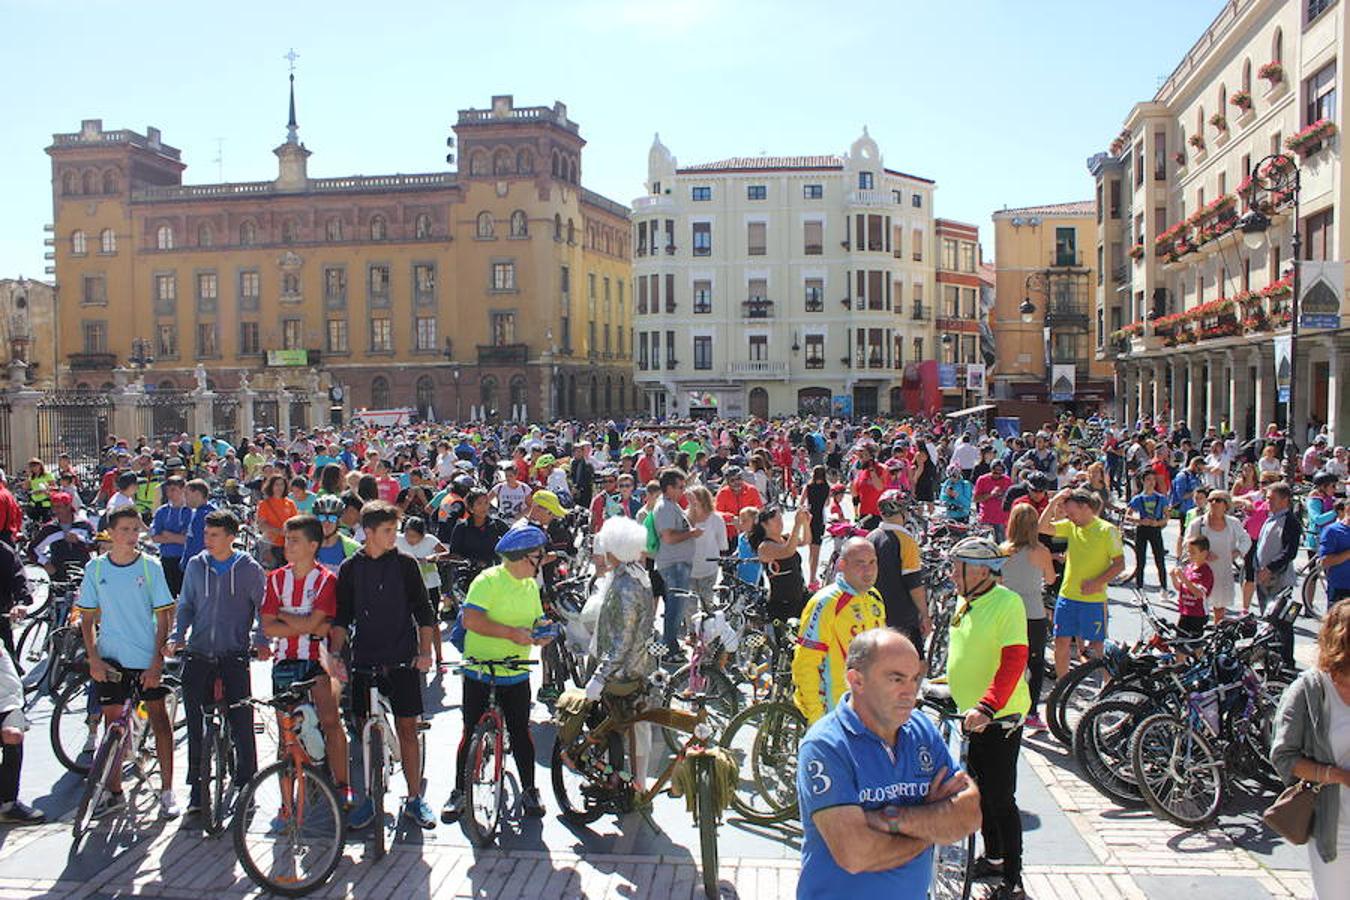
[1310, 139]
[1242, 100]
[1271, 71]
[1219, 121]
[1137, 252]
[1255, 323]
[1197, 141]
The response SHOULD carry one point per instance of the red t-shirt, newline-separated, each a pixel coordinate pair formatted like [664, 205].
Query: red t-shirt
[991, 510]
[286, 593]
[1191, 599]
[646, 468]
[868, 494]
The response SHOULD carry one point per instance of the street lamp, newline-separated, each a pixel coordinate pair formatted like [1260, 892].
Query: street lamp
[1028, 311]
[140, 357]
[1278, 176]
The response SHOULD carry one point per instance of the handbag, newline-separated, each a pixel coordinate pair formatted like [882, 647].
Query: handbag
[1291, 815]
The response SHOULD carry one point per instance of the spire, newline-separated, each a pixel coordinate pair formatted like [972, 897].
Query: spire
[292, 130]
[292, 171]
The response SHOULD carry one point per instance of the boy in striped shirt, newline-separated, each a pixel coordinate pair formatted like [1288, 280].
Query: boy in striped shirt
[297, 610]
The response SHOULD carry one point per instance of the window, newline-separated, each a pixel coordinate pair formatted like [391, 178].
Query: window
[897, 197]
[503, 276]
[335, 287]
[916, 243]
[250, 289]
[702, 352]
[207, 291]
[378, 285]
[503, 326]
[968, 253]
[642, 350]
[485, 225]
[815, 351]
[918, 349]
[424, 283]
[702, 297]
[1316, 8]
[164, 238]
[702, 238]
[206, 340]
[166, 341]
[759, 348]
[107, 241]
[248, 339]
[1319, 237]
[166, 294]
[656, 349]
[1247, 75]
[815, 294]
[205, 237]
[1066, 246]
[425, 327]
[864, 181]
[422, 226]
[949, 254]
[1319, 94]
[524, 162]
[756, 192]
[670, 350]
[248, 234]
[700, 193]
[379, 385]
[1277, 47]
[78, 243]
[337, 335]
[813, 191]
[916, 200]
[289, 231]
[756, 238]
[95, 337]
[951, 301]
[379, 228]
[110, 182]
[670, 294]
[381, 335]
[813, 238]
[519, 226]
[290, 285]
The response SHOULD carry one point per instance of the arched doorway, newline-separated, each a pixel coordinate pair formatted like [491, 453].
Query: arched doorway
[897, 401]
[379, 392]
[518, 404]
[571, 395]
[759, 403]
[487, 394]
[426, 396]
[559, 396]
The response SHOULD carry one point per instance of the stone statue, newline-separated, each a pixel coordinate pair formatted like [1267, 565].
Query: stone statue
[200, 374]
[312, 382]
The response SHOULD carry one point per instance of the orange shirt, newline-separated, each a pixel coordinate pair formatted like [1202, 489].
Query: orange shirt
[274, 511]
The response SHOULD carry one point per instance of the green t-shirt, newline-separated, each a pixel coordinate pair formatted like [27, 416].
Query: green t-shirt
[1091, 549]
[252, 462]
[693, 448]
[508, 601]
[993, 621]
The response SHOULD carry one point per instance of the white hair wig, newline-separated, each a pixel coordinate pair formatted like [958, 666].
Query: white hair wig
[622, 538]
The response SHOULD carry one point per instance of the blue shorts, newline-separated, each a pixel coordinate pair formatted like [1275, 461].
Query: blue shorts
[1080, 619]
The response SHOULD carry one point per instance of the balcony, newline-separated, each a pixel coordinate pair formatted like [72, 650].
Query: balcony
[757, 308]
[870, 198]
[921, 313]
[654, 203]
[503, 354]
[1120, 274]
[758, 368]
[83, 361]
[1067, 314]
[1066, 259]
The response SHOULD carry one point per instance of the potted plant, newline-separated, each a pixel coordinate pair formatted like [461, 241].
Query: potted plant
[1242, 100]
[1137, 251]
[1219, 121]
[1197, 141]
[1272, 72]
[1309, 140]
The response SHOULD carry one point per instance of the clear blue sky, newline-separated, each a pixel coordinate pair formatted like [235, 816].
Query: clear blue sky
[1000, 102]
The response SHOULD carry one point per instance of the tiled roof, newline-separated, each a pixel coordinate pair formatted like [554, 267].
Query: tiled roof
[1076, 208]
[768, 162]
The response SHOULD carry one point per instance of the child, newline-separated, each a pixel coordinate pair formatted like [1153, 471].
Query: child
[1193, 582]
[835, 511]
[748, 571]
[301, 496]
[415, 543]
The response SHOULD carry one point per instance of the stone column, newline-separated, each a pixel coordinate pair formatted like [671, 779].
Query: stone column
[1177, 396]
[1213, 388]
[284, 414]
[318, 409]
[244, 415]
[1338, 393]
[1159, 387]
[23, 426]
[203, 413]
[125, 420]
[1238, 389]
[1141, 389]
[1123, 392]
[1195, 387]
[1265, 387]
[1303, 370]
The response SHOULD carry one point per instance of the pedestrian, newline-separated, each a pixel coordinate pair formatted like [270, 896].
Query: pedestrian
[1276, 549]
[988, 494]
[1227, 542]
[1094, 556]
[1148, 510]
[777, 550]
[1333, 549]
[674, 554]
[1028, 569]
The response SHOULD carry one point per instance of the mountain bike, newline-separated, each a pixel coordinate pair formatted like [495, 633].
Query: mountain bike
[289, 826]
[953, 864]
[216, 765]
[380, 752]
[485, 766]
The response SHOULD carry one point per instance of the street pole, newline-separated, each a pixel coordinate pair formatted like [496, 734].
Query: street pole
[1290, 445]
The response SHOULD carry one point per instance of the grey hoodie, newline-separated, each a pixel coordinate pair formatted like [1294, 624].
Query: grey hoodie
[221, 611]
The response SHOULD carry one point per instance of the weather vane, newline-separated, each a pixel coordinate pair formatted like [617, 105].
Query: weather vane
[291, 56]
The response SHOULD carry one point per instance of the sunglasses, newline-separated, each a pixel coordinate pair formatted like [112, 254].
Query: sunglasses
[327, 517]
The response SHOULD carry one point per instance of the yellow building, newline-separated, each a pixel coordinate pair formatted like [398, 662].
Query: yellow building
[28, 326]
[461, 292]
[1043, 320]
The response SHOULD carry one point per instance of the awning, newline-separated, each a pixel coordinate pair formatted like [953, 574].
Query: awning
[971, 411]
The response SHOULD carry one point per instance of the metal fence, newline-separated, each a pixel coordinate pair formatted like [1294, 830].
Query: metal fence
[225, 418]
[164, 415]
[73, 422]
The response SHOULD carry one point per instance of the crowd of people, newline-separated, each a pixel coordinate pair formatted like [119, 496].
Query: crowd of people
[324, 553]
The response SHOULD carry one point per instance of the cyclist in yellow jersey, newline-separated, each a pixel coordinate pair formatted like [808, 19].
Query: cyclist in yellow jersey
[986, 659]
[831, 619]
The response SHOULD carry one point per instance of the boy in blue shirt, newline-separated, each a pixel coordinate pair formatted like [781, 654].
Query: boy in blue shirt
[169, 528]
[1148, 509]
[196, 495]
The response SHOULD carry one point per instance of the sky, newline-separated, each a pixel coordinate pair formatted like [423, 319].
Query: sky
[1000, 101]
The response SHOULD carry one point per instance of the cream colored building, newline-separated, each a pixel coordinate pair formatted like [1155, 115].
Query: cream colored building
[776, 285]
[1195, 304]
[28, 328]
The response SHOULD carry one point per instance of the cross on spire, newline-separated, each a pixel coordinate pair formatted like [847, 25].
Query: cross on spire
[291, 56]
[292, 130]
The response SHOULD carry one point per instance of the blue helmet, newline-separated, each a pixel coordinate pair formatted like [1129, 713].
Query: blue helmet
[521, 540]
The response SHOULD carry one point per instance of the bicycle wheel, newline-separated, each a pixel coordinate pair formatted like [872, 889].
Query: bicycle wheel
[953, 864]
[1101, 747]
[706, 815]
[1178, 772]
[483, 781]
[213, 778]
[1131, 561]
[377, 788]
[1314, 591]
[724, 701]
[32, 643]
[96, 787]
[763, 739]
[1071, 695]
[288, 832]
[73, 740]
[579, 781]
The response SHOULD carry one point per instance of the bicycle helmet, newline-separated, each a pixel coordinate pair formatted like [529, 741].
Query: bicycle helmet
[462, 484]
[328, 505]
[891, 503]
[519, 541]
[978, 551]
[1324, 477]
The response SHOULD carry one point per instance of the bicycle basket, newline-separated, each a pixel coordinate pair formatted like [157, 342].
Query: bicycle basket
[726, 776]
[570, 714]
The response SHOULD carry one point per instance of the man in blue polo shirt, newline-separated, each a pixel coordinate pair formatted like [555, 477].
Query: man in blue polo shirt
[876, 783]
[1333, 546]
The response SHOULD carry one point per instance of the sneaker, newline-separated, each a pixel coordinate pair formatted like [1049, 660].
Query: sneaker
[362, 816]
[548, 694]
[983, 869]
[194, 804]
[110, 803]
[20, 813]
[420, 812]
[453, 808]
[168, 805]
[530, 802]
[1035, 724]
[1005, 891]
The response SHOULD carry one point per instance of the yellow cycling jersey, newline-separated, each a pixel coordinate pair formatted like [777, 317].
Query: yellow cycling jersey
[830, 621]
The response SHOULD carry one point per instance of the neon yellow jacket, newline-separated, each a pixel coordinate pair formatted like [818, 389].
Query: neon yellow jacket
[830, 621]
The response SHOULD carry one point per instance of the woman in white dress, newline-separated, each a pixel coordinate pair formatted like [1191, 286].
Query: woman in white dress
[1228, 543]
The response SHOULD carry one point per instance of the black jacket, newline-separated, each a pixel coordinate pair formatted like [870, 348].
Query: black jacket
[382, 602]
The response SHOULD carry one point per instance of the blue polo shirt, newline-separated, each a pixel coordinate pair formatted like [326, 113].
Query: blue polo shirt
[841, 763]
[174, 519]
[1336, 539]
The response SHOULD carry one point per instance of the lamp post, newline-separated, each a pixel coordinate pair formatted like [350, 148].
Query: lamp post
[1279, 177]
[140, 357]
[1037, 281]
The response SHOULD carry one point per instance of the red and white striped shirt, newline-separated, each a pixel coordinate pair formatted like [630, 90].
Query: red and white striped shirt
[287, 594]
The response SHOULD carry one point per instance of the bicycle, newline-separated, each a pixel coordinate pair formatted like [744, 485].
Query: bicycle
[484, 768]
[290, 814]
[380, 751]
[588, 766]
[216, 765]
[125, 737]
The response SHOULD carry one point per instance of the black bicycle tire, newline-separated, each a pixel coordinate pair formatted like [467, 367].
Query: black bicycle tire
[1116, 789]
[743, 809]
[720, 686]
[376, 790]
[240, 824]
[707, 815]
[207, 795]
[60, 709]
[34, 626]
[99, 769]
[1308, 591]
[588, 814]
[1054, 703]
[484, 738]
[1154, 803]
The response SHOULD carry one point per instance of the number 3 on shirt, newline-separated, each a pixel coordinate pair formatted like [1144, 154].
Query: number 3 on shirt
[820, 782]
